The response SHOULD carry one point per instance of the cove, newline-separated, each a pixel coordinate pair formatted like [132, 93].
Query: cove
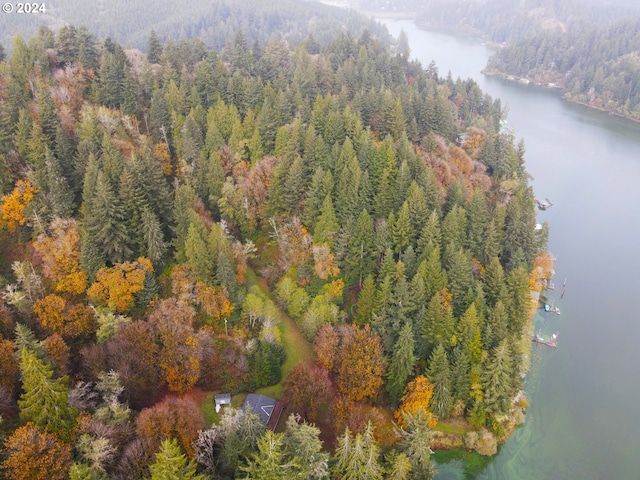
[584, 416]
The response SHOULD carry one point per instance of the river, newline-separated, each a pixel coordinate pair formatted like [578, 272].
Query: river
[584, 415]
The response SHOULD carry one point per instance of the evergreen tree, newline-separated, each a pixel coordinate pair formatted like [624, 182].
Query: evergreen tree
[316, 195]
[154, 51]
[399, 466]
[496, 327]
[418, 208]
[519, 299]
[469, 335]
[454, 228]
[172, 464]
[111, 80]
[129, 94]
[326, 226]
[438, 325]
[460, 374]
[365, 306]
[133, 202]
[401, 364]
[153, 238]
[61, 196]
[476, 224]
[199, 256]
[492, 247]
[357, 457]
[410, 261]
[430, 236]
[403, 181]
[460, 280]
[416, 446]
[44, 399]
[439, 374]
[269, 463]
[383, 199]
[493, 279]
[497, 378]
[348, 200]
[106, 223]
[47, 116]
[242, 441]
[455, 195]
[294, 187]
[358, 262]
[159, 117]
[435, 279]
[301, 440]
[401, 230]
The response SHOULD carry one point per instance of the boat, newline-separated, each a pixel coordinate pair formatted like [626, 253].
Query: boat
[551, 308]
[553, 343]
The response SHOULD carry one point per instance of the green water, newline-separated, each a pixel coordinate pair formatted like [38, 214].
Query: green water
[584, 416]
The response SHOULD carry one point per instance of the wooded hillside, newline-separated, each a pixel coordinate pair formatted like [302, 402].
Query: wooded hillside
[214, 22]
[383, 203]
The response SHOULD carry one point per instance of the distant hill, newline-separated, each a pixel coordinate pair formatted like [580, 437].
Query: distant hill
[214, 21]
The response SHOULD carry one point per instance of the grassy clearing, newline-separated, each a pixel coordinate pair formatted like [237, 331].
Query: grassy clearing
[208, 407]
[298, 349]
[458, 428]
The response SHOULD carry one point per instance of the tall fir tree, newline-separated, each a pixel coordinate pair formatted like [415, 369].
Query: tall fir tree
[44, 399]
[402, 363]
[172, 464]
[416, 446]
[497, 378]
[326, 227]
[401, 230]
[154, 50]
[358, 262]
[365, 306]
[106, 224]
[439, 374]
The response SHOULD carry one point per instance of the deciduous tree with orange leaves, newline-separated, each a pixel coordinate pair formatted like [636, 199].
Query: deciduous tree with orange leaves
[60, 253]
[178, 418]
[69, 320]
[179, 354]
[417, 396]
[324, 262]
[34, 454]
[306, 387]
[214, 301]
[10, 366]
[14, 205]
[356, 355]
[114, 287]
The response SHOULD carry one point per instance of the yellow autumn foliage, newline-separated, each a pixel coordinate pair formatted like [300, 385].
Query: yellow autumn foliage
[114, 287]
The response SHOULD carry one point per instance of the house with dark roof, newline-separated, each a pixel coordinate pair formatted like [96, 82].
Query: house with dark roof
[268, 408]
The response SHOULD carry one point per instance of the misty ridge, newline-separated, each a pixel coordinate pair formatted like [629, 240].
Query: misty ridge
[212, 22]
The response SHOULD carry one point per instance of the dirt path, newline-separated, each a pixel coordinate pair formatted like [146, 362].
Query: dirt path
[298, 348]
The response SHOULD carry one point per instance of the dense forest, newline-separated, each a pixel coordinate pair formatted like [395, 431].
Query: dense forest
[151, 204]
[214, 22]
[589, 50]
[595, 65]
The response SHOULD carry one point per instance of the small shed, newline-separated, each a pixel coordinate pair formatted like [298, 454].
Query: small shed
[268, 408]
[222, 399]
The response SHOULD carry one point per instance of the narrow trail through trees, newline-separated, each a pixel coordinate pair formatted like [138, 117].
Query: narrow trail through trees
[298, 348]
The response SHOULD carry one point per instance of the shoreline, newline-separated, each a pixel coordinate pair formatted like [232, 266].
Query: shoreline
[566, 96]
[480, 36]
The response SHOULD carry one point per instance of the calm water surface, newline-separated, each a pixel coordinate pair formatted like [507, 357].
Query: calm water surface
[584, 418]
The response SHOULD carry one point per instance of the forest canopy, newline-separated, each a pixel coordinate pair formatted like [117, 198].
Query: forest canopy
[170, 220]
